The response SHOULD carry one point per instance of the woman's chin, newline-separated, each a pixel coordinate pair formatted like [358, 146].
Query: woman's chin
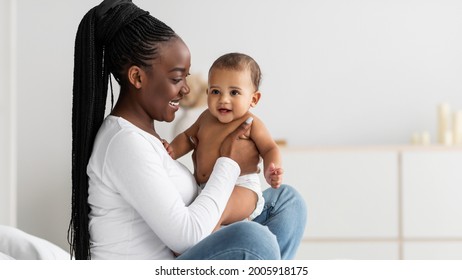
[169, 118]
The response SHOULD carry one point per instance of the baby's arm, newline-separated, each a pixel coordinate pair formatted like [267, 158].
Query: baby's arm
[269, 150]
[182, 144]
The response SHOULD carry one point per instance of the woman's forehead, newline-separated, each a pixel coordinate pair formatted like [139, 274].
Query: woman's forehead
[174, 54]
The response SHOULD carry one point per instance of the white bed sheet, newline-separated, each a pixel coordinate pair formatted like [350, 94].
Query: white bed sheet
[17, 244]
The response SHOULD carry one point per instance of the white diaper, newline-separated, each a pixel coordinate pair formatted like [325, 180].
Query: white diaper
[251, 182]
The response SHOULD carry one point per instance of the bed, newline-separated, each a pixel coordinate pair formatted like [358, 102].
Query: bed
[16, 244]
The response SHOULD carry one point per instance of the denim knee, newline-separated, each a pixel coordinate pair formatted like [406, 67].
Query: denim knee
[253, 240]
[286, 215]
[291, 198]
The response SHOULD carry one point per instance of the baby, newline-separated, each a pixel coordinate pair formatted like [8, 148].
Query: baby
[233, 88]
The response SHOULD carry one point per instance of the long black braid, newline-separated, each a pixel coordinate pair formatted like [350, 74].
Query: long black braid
[111, 37]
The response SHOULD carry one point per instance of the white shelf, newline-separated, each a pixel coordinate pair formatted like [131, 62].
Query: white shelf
[379, 202]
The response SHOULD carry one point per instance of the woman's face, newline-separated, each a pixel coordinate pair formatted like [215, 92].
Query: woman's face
[166, 80]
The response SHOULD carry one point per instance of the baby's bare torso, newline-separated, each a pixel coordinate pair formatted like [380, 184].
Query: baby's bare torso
[210, 135]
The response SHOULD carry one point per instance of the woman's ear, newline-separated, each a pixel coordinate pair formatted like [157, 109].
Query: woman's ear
[255, 98]
[135, 76]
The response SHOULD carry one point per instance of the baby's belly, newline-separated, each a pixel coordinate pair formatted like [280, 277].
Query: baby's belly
[205, 161]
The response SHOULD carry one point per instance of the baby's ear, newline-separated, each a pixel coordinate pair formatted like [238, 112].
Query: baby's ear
[255, 98]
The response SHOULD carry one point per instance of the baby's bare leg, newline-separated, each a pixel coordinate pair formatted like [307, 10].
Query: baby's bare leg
[240, 205]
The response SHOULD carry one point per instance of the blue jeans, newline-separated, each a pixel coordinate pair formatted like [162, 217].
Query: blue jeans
[275, 234]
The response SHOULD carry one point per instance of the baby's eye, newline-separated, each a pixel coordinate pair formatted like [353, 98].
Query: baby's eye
[234, 92]
[215, 91]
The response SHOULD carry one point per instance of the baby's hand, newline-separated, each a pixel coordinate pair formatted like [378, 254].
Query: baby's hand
[168, 148]
[273, 176]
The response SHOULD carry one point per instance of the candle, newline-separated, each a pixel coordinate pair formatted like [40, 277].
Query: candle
[416, 139]
[420, 138]
[425, 138]
[457, 128]
[447, 138]
[443, 123]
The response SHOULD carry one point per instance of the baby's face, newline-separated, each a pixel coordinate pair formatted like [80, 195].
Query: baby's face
[230, 94]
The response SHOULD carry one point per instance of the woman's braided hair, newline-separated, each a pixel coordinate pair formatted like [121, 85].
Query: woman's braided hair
[111, 37]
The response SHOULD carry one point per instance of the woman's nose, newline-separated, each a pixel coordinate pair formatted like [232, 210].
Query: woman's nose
[185, 90]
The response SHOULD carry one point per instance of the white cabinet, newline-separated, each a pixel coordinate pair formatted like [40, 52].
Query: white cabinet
[352, 199]
[433, 250]
[432, 194]
[379, 203]
[432, 204]
[348, 250]
[350, 194]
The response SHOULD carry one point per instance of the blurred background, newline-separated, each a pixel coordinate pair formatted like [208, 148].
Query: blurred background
[346, 85]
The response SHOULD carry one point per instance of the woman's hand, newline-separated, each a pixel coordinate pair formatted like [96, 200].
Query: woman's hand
[242, 151]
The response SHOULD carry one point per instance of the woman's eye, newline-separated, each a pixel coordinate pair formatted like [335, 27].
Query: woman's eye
[176, 81]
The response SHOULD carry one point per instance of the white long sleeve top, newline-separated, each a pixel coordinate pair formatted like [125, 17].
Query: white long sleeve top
[144, 204]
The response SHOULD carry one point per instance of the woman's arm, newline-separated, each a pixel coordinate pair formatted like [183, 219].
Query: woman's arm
[242, 151]
[242, 201]
[135, 168]
[240, 206]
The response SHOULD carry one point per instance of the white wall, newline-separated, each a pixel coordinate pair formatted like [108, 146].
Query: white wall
[335, 73]
[46, 32]
[7, 153]
[4, 114]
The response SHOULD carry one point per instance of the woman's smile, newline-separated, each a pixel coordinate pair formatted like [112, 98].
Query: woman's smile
[175, 103]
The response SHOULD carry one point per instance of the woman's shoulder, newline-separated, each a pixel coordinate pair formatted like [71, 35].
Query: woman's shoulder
[118, 133]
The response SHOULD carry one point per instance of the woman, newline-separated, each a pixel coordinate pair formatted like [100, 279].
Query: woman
[130, 199]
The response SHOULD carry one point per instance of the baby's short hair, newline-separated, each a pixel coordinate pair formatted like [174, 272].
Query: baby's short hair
[239, 61]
